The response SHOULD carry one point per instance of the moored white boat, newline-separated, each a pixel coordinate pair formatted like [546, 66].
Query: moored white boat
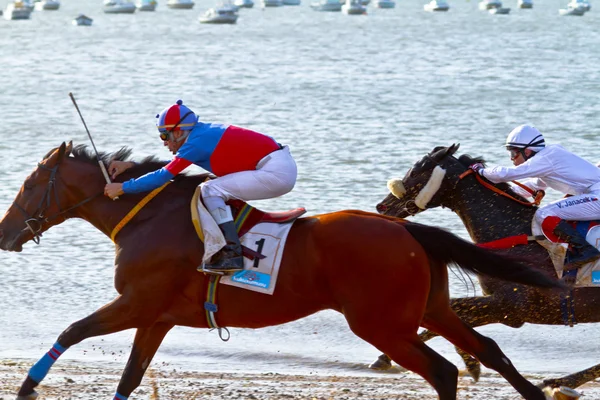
[47, 5]
[576, 11]
[271, 3]
[119, 7]
[180, 4]
[17, 10]
[244, 3]
[437, 5]
[354, 7]
[489, 4]
[225, 14]
[525, 4]
[500, 10]
[582, 4]
[146, 5]
[82, 20]
[385, 3]
[327, 5]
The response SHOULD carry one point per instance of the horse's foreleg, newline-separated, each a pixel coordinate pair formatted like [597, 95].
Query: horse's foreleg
[113, 317]
[146, 343]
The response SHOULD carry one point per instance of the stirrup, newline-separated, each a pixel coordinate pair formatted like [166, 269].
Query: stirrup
[218, 270]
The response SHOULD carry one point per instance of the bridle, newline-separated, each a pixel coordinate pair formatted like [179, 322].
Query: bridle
[34, 222]
[538, 195]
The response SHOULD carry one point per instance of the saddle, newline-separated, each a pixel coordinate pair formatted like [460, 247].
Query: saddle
[588, 275]
[245, 218]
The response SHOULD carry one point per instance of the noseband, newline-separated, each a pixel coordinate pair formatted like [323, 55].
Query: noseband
[34, 222]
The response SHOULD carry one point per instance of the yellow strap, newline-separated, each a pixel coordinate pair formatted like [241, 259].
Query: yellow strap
[196, 214]
[135, 210]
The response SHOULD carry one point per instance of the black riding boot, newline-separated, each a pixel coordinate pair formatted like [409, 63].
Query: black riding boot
[584, 252]
[229, 258]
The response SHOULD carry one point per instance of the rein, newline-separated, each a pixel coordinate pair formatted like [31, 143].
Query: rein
[538, 195]
[33, 222]
[135, 210]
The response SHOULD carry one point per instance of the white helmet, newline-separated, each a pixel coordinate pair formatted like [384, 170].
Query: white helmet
[525, 137]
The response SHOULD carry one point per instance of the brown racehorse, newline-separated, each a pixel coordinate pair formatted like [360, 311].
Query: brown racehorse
[387, 276]
[489, 217]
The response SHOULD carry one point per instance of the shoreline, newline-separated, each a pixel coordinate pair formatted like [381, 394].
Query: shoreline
[78, 380]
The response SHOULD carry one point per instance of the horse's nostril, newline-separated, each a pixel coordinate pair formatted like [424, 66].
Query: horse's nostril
[381, 207]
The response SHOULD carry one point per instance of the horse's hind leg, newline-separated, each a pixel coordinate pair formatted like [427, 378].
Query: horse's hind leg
[146, 343]
[113, 317]
[411, 353]
[448, 325]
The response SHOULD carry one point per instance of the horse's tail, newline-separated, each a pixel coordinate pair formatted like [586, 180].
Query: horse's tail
[447, 248]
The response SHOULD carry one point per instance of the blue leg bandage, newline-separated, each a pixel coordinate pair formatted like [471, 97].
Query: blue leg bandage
[120, 397]
[41, 368]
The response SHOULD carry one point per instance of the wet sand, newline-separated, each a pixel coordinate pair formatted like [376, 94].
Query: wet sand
[78, 380]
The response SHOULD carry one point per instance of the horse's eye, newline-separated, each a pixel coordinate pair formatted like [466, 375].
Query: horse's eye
[27, 186]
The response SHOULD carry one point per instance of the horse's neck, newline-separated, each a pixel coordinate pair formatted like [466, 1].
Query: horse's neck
[489, 217]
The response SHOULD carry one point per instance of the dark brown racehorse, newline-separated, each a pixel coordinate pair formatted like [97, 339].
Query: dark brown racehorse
[387, 276]
[488, 217]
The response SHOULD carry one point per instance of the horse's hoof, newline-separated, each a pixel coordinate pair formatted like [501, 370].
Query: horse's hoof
[383, 363]
[31, 396]
[561, 393]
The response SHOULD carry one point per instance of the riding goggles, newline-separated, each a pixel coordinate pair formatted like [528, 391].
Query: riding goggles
[166, 135]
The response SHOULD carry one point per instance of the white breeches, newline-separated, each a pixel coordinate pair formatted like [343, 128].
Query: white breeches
[583, 207]
[275, 175]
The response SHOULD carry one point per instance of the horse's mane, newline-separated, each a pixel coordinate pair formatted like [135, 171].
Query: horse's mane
[83, 153]
[466, 160]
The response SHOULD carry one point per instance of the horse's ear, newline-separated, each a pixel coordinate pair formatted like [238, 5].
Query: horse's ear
[452, 149]
[62, 150]
[69, 148]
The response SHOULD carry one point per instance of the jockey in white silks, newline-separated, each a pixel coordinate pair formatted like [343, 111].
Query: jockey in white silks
[249, 166]
[553, 167]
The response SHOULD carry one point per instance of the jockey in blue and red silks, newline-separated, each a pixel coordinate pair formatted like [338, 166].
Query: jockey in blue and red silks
[248, 166]
[555, 167]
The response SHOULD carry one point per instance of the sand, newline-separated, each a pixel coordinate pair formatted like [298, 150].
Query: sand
[79, 380]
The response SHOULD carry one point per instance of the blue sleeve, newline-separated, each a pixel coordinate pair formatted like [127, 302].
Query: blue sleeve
[148, 182]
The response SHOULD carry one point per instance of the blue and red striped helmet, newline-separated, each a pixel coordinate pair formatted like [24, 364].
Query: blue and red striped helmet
[175, 117]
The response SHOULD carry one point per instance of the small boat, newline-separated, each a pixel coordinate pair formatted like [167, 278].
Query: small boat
[489, 4]
[327, 5]
[525, 4]
[585, 4]
[82, 20]
[180, 4]
[291, 2]
[577, 11]
[500, 10]
[271, 3]
[119, 7]
[385, 3]
[146, 5]
[47, 5]
[219, 15]
[29, 4]
[17, 10]
[244, 3]
[436, 5]
[354, 7]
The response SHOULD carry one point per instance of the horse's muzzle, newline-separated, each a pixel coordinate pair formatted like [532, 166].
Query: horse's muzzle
[381, 208]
